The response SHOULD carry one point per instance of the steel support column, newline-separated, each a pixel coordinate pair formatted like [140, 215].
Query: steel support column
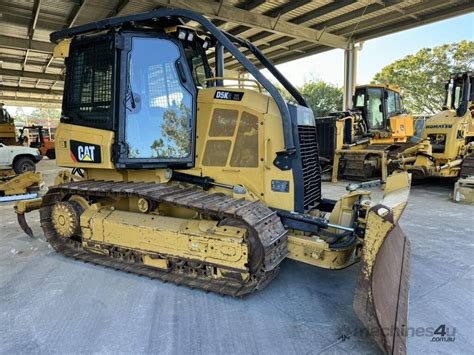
[219, 63]
[350, 75]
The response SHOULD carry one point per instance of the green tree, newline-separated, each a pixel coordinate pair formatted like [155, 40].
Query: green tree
[322, 97]
[175, 140]
[20, 117]
[43, 116]
[423, 75]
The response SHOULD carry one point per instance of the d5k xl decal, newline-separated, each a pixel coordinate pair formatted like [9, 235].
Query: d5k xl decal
[85, 152]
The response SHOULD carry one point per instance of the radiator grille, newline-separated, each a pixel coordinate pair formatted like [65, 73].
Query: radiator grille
[326, 136]
[310, 164]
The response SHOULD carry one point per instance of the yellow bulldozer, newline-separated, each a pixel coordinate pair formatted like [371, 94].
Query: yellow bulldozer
[357, 144]
[18, 179]
[447, 146]
[7, 127]
[180, 177]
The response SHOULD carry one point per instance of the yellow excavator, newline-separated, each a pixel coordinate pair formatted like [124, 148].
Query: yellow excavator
[358, 143]
[447, 146]
[178, 176]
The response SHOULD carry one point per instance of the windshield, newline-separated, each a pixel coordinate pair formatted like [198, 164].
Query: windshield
[159, 107]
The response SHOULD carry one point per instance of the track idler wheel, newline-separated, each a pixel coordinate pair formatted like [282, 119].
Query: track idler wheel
[65, 218]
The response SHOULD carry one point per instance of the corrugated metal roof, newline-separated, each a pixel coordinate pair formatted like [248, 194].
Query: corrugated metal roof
[25, 55]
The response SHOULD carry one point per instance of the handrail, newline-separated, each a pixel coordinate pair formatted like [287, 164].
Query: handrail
[260, 89]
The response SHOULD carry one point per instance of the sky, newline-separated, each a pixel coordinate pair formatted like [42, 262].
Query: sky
[375, 54]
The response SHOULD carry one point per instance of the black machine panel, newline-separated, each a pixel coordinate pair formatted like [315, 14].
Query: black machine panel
[306, 168]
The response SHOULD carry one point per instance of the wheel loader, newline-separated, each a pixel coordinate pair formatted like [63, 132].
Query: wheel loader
[447, 146]
[357, 144]
[179, 176]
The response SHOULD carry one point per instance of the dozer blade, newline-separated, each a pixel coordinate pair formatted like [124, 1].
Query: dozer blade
[23, 207]
[381, 297]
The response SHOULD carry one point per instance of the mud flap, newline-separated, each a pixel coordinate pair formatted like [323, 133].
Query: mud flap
[381, 297]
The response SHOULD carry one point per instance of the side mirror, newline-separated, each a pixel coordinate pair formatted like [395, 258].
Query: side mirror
[380, 108]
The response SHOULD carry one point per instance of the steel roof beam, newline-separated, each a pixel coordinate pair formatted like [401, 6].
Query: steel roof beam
[23, 44]
[31, 61]
[424, 19]
[359, 35]
[76, 12]
[25, 20]
[377, 6]
[119, 8]
[362, 35]
[31, 75]
[322, 10]
[34, 21]
[27, 90]
[232, 14]
[29, 101]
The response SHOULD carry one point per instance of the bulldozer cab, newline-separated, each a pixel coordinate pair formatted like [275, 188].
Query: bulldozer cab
[378, 104]
[459, 91]
[144, 85]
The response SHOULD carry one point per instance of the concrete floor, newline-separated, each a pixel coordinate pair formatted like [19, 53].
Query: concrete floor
[49, 303]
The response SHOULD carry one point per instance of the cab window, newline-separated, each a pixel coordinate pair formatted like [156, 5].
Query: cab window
[197, 62]
[359, 99]
[88, 100]
[393, 103]
[374, 108]
[457, 93]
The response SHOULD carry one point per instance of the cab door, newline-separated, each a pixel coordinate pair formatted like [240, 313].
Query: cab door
[159, 105]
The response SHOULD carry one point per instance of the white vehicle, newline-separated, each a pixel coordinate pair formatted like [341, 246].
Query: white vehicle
[20, 159]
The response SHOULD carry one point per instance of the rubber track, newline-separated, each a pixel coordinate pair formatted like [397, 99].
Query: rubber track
[264, 222]
[467, 167]
[356, 161]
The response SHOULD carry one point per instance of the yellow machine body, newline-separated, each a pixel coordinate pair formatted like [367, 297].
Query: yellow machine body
[447, 142]
[226, 219]
[7, 133]
[368, 134]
